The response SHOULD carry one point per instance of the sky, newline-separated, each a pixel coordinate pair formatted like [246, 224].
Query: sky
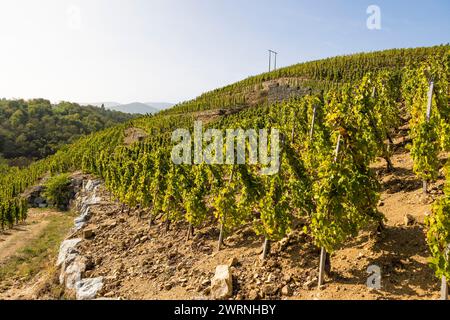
[174, 50]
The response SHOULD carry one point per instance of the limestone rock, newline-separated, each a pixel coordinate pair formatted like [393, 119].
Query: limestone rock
[87, 289]
[222, 283]
[67, 247]
[85, 214]
[72, 271]
[91, 185]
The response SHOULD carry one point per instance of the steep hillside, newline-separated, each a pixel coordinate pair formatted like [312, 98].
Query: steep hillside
[304, 78]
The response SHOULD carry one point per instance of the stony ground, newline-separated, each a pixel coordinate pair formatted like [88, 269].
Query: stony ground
[140, 261]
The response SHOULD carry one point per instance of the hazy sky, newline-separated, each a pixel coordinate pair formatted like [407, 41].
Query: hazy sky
[167, 50]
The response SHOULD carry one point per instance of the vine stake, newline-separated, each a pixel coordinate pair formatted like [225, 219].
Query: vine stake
[323, 252]
[430, 101]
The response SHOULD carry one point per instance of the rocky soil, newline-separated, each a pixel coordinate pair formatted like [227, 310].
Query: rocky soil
[142, 261]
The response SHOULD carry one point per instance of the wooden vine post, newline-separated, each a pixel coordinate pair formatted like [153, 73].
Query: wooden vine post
[428, 117]
[266, 248]
[311, 132]
[266, 245]
[444, 289]
[221, 234]
[444, 284]
[323, 253]
[190, 231]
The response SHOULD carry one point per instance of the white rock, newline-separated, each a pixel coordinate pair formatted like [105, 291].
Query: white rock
[67, 247]
[87, 289]
[72, 271]
[91, 184]
[84, 216]
[93, 200]
[222, 283]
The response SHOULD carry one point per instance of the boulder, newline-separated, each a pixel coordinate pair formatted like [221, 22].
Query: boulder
[222, 283]
[72, 271]
[77, 183]
[87, 289]
[93, 200]
[67, 247]
[39, 200]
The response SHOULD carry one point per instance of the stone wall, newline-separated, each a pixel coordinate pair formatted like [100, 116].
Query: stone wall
[70, 261]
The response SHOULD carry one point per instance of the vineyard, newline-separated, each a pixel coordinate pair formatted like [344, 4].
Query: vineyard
[330, 136]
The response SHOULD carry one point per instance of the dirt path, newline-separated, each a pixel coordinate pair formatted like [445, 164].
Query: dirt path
[27, 255]
[11, 241]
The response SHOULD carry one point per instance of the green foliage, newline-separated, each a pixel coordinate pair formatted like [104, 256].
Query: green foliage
[438, 235]
[274, 209]
[36, 128]
[58, 191]
[429, 135]
[193, 192]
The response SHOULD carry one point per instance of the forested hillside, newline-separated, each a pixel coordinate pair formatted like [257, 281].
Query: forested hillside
[36, 128]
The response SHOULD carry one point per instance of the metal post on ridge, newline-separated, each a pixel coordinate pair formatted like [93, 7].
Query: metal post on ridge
[270, 60]
[275, 66]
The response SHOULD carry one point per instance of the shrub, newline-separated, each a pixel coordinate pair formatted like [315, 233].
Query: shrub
[58, 191]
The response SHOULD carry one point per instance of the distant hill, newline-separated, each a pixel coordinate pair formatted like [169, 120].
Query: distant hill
[134, 107]
[160, 105]
[108, 105]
